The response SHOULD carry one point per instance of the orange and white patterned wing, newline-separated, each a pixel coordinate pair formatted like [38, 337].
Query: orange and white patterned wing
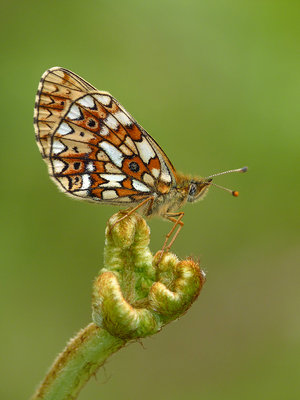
[93, 147]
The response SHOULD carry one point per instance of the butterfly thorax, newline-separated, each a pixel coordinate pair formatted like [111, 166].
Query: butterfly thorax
[165, 203]
[185, 190]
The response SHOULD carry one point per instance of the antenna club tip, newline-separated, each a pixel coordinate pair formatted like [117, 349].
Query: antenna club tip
[244, 169]
[235, 193]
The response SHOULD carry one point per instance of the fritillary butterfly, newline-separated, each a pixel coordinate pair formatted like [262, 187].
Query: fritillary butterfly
[95, 150]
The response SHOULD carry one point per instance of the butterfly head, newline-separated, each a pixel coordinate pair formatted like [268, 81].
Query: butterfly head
[198, 189]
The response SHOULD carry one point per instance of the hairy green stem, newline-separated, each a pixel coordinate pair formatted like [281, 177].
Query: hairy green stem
[134, 296]
[83, 355]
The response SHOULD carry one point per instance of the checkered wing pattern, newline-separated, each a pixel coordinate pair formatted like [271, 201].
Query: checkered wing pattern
[94, 149]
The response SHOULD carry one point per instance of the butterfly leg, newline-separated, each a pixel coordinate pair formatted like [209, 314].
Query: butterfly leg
[177, 223]
[132, 210]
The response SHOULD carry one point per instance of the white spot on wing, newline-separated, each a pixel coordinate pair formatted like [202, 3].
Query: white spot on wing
[58, 166]
[90, 167]
[165, 173]
[87, 101]
[155, 172]
[86, 181]
[140, 186]
[64, 129]
[113, 180]
[122, 118]
[145, 150]
[113, 177]
[74, 112]
[113, 153]
[109, 194]
[111, 184]
[103, 99]
[104, 130]
[111, 122]
[165, 177]
[58, 147]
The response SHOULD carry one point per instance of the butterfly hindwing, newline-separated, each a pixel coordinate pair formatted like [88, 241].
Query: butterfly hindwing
[93, 147]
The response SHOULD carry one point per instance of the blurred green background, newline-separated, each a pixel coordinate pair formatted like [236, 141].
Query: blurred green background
[216, 83]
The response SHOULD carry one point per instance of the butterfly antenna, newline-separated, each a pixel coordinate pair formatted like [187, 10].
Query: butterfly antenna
[244, 169]
[234, 193]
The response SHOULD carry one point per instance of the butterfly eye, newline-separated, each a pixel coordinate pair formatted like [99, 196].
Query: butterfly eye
[193, 189]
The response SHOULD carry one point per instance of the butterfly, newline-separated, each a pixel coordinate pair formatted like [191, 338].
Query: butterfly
[95, 150]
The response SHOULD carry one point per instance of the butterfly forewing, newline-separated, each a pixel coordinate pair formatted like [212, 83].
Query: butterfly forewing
[93, 147]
